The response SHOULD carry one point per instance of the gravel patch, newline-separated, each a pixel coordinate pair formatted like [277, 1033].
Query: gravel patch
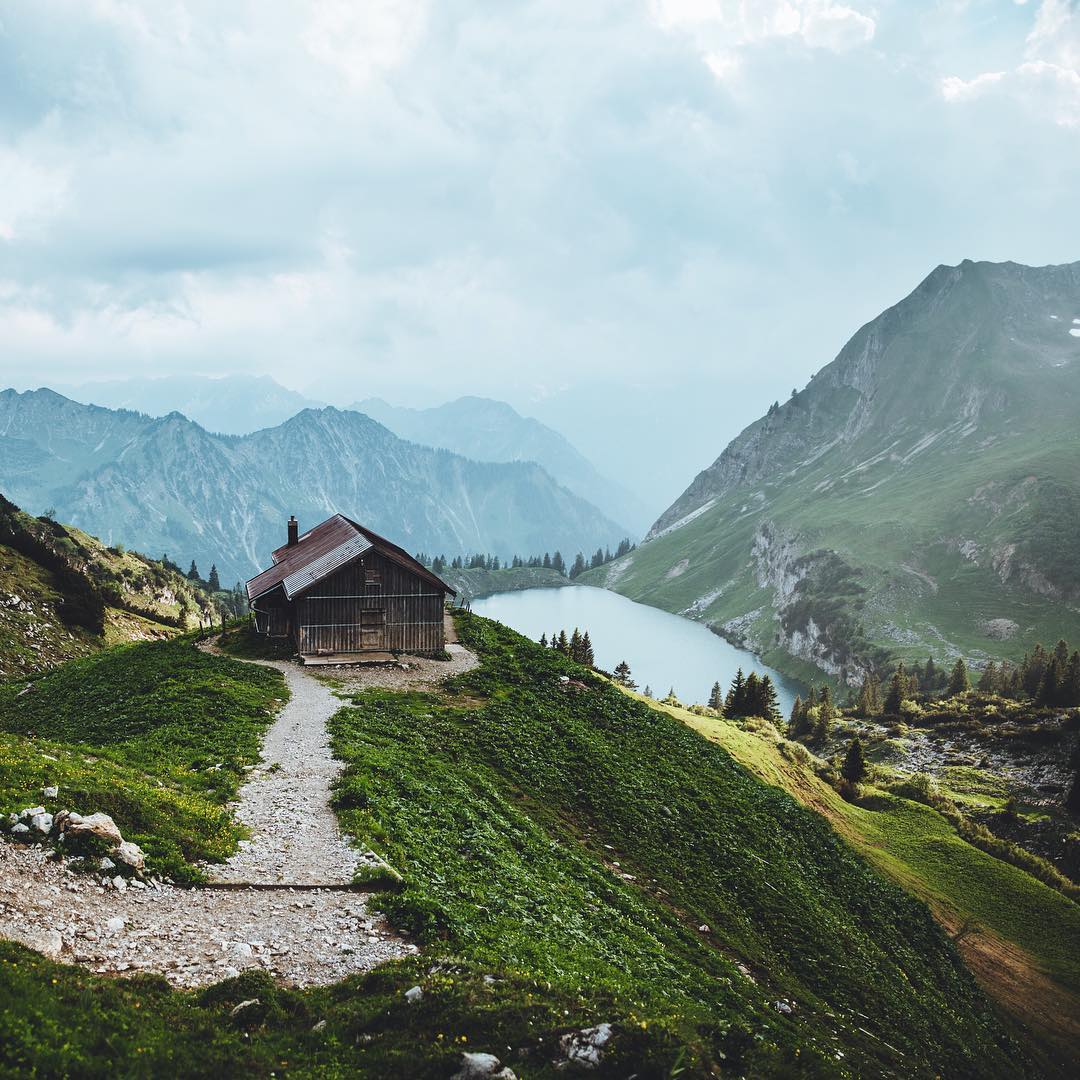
[192, 937]
[410, 673]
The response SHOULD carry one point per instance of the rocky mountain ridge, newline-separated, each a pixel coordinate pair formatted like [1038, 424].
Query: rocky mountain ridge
[921, 489]
[166, 484]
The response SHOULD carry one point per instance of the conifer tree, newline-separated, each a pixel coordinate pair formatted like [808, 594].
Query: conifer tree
[547, 561]
[575, 645]
[894, 698]
[930, 677]
[588, 658]
[543, 641]
[671, 698]
[647, 691]
[794, 724]
[736, 695]
[869, 701]
[959, 683]
[751, 697]
[1070, 694]
[193, 573]
[1050, 687]
[213, 581]
[716, 697]
[989, 679]
[622, 675]
[854, 766]
[564, 643]
[557, 563]
[770, 703]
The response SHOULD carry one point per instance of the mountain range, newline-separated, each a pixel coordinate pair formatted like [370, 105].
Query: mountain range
[167, 485]
[920, 495]
[488, 430]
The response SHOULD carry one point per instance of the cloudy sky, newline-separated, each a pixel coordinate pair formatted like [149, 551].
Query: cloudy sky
[641, 220]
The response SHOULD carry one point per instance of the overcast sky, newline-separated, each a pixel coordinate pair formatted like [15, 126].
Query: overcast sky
[672, 211]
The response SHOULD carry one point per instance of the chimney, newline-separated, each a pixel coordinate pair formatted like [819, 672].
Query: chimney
[294, 532]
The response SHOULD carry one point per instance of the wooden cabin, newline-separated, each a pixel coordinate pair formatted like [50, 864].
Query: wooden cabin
[341, 589]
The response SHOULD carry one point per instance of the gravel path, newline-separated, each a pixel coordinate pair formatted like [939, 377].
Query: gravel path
[192, 937]
[286, 803]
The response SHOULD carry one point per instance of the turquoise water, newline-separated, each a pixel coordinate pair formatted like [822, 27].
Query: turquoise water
[663, 650]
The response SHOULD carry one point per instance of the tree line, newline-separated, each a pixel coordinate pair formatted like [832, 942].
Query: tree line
[548, 561]
[1044, 677]
[578, 646]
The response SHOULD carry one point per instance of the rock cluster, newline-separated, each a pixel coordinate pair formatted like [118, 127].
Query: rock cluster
[35, 823]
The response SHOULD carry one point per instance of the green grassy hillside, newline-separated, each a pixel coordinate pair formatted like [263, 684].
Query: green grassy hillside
[156, 735]
[570, 855]
[65, 594]
[919, 496]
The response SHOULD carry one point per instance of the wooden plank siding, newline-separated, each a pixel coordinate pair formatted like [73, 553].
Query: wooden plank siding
[371, 605]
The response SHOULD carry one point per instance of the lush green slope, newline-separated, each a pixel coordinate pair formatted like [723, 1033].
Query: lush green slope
[916, 497]
[157, 735]
[64, 594]
[564, 848]
[585, 838]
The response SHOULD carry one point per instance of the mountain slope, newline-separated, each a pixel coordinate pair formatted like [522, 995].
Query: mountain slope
[920, 495]
[64, 594]
[488, 430]
[168, 485]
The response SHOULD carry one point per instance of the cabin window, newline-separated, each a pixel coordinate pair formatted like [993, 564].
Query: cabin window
[372, 579]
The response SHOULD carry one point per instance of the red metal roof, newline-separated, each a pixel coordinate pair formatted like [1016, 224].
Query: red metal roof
[326, 548]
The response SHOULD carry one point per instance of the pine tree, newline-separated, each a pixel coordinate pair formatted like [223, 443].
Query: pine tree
[557, 563]
[1061, 652]
[751, 697]
[854, 766]
[894, 698]
[193, 573]
[671, 698]
[794, 725]
[1070, 690]
[988, 679]
[930, 677]
[736, 695]
[213, 581]
[564, 643]
[869, 701]
[547, 561]
[716, 697]
[588, 657]
[647, 691]
[622, 675]
[770, 703]
[575, 645]
[543, 641]
[1050, 687]
[579, 565]
[959, 683]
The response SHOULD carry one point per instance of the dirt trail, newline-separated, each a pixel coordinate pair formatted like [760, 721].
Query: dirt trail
[286, 802]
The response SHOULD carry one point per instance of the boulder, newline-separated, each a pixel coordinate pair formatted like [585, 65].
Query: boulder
[131, 855]
[585, 1049]
[20, 830]
[413, 995]
[47, 942]
[31, 812]
[100, 825]
[43, 823]
[477, 1066]
[50, 792]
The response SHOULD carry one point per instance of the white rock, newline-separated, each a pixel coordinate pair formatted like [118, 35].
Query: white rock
[115, 924]
[236, 1010]
[119, 883]
[585, 1049]
[105, 863]
[42, 822]
[320, 1026]
[50, 792]
[413, 995]
[48, 942]
[95, 825]
[130, 854]
[31, 812]
[240, 948]
[479, 1066]
[20, 829]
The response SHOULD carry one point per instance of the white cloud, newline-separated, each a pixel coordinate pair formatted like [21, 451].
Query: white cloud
[30, 193]
[1047, 80]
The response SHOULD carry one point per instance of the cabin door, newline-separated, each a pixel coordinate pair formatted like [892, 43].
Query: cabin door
[373, 629]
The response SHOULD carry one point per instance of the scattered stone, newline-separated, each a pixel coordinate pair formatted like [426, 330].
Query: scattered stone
[119, 883]
[20, 829]
[105, 863]
[783, 1006]
[585, 1048]
[50, 792]
[236, 1010]
[320, 1026]
[478, 1066]
[413, 995]
[115, 924]
[43, 823]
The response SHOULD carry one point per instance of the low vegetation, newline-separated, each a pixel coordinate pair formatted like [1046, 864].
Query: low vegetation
[157, 735]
